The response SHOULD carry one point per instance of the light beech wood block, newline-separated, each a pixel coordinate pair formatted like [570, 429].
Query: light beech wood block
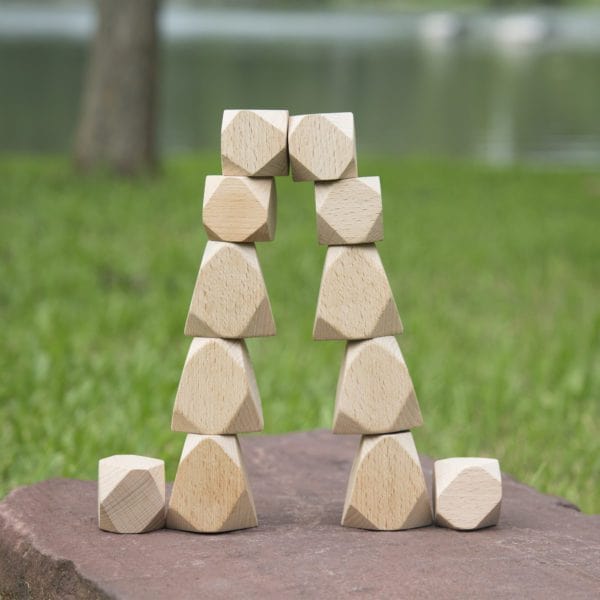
[322, 147]
[355, 299]
[230, 299]
[217, 391]
[131, 493]
[375, 393]
[254, 142]
[387, 488]
[349, 211]
[239, 209]
[467, 492]
[211, 491]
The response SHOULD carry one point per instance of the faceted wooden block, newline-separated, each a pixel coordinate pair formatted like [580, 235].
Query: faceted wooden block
[239, 209]
[211, 491]
[355, 299]
[131, 493]
[322, 147]
[375, 393]
[467, 492]
[254, 142]
[349, 211]
[230, 298]
[217, 391]
[387, 488]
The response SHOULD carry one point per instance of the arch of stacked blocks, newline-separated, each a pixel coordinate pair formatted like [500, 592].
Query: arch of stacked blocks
[218, 396]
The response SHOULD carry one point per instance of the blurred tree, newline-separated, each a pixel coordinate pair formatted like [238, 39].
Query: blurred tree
[117, 123]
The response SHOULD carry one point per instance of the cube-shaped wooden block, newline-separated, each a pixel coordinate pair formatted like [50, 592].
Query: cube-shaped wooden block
[239, 209]
[131, 493]
[467, 492]
[254, 142]
[349, 211]
[322, 147]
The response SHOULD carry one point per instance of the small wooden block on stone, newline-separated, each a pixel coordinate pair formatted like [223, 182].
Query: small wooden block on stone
[349, 211]
[239, 209]
[230, 299]
[467, 492]
[322, 147]
[211, 491]
[217, 391]
[254, 142]
[355, 298]
[131, 493]
[387, 488]
[375, 392]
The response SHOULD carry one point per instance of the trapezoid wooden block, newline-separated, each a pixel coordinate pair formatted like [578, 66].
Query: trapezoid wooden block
[467, 492]
[254, 142]
[217, 391]
[375, 392]
[349, 211]
[355, 298]
[211, 491]
[322, 147]
[230, 299]
[131, 493]
[239, 209]
[387, 488]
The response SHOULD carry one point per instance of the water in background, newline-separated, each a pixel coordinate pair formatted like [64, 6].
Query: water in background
[497, 87]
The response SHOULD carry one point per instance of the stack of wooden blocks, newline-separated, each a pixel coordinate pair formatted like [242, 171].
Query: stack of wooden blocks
[218, 397]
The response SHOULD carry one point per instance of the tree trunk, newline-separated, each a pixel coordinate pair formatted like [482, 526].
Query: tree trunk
[117, 123]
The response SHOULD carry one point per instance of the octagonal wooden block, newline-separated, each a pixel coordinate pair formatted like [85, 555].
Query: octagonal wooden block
[217, 391]
[387, 488]
[230, 299]
[254, 142]
[322, 146]
[349, 211]
[467, 492]
[239, 209]
[375, 392]
[131, 493]
[355, 298]
[211, 491]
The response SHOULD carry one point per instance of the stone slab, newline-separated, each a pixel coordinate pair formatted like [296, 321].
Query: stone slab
[50, 546]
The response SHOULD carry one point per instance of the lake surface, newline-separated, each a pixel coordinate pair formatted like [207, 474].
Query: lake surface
[498, 87]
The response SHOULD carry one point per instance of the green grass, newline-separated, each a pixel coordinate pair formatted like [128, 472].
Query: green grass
[496, 274]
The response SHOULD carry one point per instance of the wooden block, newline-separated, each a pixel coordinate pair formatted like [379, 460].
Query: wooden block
[322, 147]
[131, 493]
[211, 491]
[239, 209]
[387, 488]
[375, 393]
[217, 391]
[254, 142]
[355, 299]
[349, 211]
[467, 492]
[230, 298]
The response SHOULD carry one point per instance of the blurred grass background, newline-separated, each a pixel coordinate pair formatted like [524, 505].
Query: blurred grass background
[496, 272]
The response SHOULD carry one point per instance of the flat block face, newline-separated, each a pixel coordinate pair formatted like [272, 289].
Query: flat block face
[131, 494]
[254, 142]
[387, 488]
[217, 391]
[467, 492]
[322, 147]
[349, 211]
[375, 393]
[211, 491]
[355, 298]
[230, 298]
[239, 209]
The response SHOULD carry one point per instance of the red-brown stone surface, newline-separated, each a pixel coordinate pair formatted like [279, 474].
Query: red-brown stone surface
[50, 546]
